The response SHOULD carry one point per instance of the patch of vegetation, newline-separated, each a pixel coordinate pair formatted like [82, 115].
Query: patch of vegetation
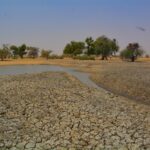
[33, 52]
[132, 52]
[84, 57]
[18, 50]
[102, 46]
[46, 53]
[74, 48]
[4, 52]
[147, 56]
[54, 56]
[81, 50]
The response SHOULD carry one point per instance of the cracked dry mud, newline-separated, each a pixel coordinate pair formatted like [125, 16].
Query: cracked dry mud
[55, 111]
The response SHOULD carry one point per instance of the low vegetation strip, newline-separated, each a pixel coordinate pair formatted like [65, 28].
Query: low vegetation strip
[55, 111]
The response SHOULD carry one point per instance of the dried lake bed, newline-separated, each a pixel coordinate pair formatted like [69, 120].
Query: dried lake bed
[53, 110]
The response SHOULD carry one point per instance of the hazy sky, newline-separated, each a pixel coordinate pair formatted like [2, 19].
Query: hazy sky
[50, 24]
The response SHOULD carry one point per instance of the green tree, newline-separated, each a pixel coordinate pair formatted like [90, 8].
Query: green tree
[15, 51]
[68, 49]
[132, 51]
[46, 53]
[33, 52]
[4, 52]
[114, 46]
[74, 48]
[105, 47]
[18, 51]
[90, 46]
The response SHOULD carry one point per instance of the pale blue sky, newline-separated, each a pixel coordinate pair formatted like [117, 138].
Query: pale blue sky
[50, 24]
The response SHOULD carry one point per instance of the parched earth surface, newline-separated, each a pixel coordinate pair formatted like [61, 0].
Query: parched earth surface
[55, 111]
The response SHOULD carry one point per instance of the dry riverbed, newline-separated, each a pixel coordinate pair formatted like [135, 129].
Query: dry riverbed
[55, 111]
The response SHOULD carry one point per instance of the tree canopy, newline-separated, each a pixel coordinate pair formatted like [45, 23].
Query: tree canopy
[4, 52]
[90, 46]
[132, 51]
[46, 53]
[101, 46]
[33, 52]
[18, 50]
[105, 47]
[74, 48]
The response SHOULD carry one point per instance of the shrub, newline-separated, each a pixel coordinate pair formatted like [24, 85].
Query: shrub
[33, 52]
[147, 56]
[4, 54]
[55, 57]
[84, 57]
[46, 53]
[74, 48]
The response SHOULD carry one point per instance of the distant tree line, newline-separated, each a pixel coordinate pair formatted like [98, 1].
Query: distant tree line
[104, 47]
[88, 49]
[13, 51]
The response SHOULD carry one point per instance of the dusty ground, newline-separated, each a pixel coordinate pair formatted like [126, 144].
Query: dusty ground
[55, 111]
[125, 78]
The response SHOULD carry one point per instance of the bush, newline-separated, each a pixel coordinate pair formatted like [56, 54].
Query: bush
[130, 54]
[67, 55]
[33, 52]
[84, 57]
[46, 53]
[55, 57]
[4, 53]
[147, 56]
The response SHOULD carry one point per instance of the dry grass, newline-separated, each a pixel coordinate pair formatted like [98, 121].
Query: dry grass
[64, 62]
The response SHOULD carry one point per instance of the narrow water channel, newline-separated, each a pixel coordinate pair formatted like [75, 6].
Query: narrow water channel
[22, 69]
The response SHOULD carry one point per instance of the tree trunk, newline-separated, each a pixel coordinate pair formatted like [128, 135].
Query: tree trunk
[132, 58]
[104, 58]
[21, 56]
